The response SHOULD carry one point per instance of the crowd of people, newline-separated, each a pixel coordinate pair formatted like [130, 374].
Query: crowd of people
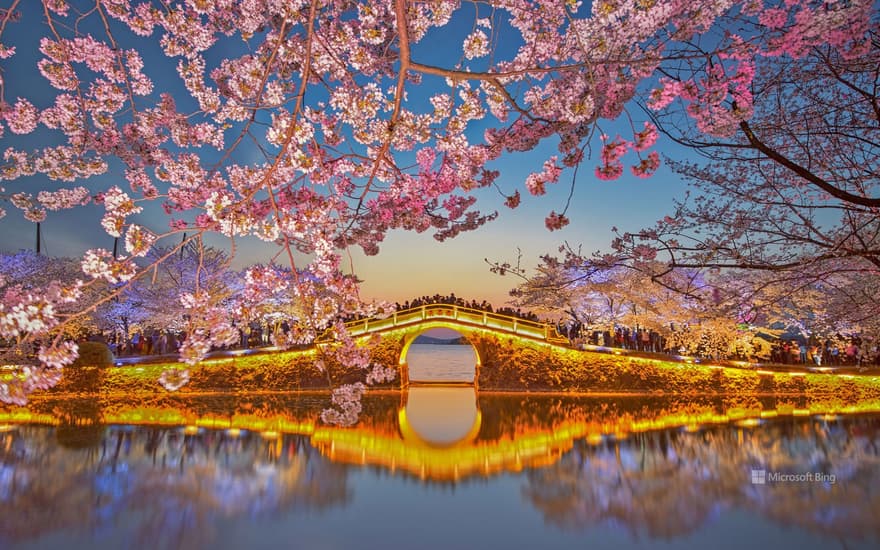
[164, 342]
[838, 352]
[636, 339]
[453, 300]
[831, 353]
[141, 342]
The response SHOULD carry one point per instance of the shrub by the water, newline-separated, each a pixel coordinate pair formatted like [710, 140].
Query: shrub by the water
[93, 354]
[86, 374]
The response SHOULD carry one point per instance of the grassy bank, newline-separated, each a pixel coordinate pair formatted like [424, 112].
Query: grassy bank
[509, 365]
[263, 372]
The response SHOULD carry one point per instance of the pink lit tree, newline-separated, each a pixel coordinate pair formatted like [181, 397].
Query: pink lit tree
[320, 126]
[785, 194]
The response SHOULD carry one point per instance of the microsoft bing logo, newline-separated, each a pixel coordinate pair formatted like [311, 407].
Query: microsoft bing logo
[759, 477]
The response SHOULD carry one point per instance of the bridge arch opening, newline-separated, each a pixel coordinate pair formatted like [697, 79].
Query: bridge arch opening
[439, 353]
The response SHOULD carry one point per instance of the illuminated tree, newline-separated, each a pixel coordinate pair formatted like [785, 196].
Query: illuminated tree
[787, 195]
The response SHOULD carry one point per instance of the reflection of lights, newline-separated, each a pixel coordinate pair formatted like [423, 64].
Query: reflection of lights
[748, 423]
[7, 428]
[766, 372]
[793, 373]
[526, 446]
[616, 353]
[827, 417]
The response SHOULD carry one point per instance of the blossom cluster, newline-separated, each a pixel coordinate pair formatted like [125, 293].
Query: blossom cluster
[346, 400]
[209, 324]
[100, 264]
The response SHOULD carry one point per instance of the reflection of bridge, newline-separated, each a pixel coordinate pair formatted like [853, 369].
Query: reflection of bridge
[395, 441]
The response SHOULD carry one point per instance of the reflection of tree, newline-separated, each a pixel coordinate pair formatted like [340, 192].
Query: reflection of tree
[667, 484]
[73, 436]
[165, 487]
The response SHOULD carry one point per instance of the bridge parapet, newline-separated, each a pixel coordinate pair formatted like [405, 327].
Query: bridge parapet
[464, 316]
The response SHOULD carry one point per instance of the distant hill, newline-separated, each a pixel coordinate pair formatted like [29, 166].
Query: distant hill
[422, 339]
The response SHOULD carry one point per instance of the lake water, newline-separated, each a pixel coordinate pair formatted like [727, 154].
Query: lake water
[437, 468]
[433, 362]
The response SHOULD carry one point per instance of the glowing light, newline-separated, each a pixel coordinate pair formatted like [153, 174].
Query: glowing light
[191, 430]
[766, 372]
[233, 432]
[749, 423]
[793, 373]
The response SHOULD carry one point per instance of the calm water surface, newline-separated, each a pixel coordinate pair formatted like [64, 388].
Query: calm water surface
[438, 467]
[432, 362]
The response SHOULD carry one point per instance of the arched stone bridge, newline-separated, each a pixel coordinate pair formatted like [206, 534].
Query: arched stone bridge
[414, 321]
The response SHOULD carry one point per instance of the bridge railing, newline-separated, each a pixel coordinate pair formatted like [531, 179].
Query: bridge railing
[464, 315]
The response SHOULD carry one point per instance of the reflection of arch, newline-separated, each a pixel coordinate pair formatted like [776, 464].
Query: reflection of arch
[410, 337]
[412, 439]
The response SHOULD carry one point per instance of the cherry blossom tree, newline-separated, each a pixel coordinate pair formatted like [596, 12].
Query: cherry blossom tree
[687, 309]
[320, 126]
[787, 194]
